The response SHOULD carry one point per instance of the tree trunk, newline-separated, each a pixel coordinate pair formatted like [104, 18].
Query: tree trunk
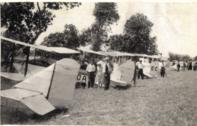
[32, 41]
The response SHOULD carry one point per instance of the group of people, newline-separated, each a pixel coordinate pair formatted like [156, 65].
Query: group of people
[98, 73]
[185, 65]
[151, 66]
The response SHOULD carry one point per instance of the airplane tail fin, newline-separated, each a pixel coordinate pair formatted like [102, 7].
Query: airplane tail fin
[33, 100]
[63, 83]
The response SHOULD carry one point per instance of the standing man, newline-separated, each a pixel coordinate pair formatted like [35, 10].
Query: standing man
[140, 70]
[83, 67]
[163, 69]
[107, 67]
[178, 66]
[135, 71]
[91, 69]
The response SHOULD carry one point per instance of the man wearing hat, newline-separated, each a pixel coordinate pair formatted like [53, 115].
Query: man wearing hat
[107, 69]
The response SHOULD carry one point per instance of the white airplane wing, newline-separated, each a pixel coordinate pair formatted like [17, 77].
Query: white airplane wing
[60, 50]
[148, 75]
[12, 76]
[33, 100]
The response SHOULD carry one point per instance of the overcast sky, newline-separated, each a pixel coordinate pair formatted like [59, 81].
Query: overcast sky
[175, 24]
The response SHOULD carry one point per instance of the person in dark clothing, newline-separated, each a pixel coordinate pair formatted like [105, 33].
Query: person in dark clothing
[195, 66]
[83, 67]
[107, 73]
[190, 66]
[178, 67]
[107, 79]
[163, 70]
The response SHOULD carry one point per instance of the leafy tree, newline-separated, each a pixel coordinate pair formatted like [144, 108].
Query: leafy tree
[98, 35]
[69, 38]
[116, 42]
[93, 35]
[173, 56]
[85, 37]
[26, 21]
[106, 14]
[137, 37]
[54, 39]
[186, 58]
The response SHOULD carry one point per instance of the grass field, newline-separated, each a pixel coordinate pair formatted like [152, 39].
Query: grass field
[170, 101]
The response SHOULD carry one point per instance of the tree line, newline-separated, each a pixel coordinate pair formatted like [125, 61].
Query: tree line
[135, 39]
[181, 57]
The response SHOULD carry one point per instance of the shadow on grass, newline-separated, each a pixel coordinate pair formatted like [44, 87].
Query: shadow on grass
[26, 117]
[120, 87]
[13, 117]
[138, 86]
[48, 116]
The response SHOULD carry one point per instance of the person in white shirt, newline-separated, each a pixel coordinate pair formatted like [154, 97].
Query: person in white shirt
[140, 70]
[91, 69]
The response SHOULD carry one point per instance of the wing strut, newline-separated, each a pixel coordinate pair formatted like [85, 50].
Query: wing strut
[51, 81]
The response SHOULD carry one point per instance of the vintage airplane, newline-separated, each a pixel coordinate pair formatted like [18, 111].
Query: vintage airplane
[48, 89]
[53, 86]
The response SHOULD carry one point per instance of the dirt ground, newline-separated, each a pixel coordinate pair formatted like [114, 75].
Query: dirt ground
[170, 101]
